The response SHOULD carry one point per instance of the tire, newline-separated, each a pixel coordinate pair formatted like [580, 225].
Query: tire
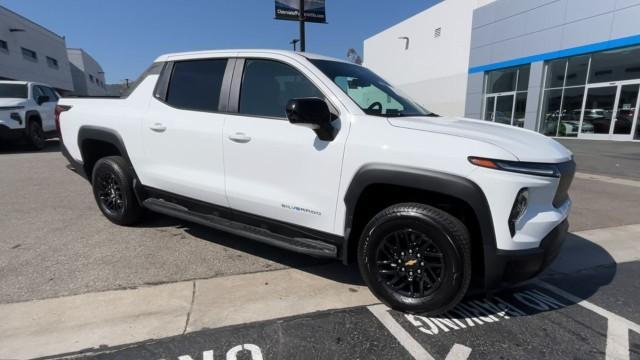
[112, 182]
[35, 136]
[409, 245]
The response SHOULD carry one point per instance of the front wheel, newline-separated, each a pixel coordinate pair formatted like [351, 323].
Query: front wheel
[36, 136]
[112, 183]
[416, 258]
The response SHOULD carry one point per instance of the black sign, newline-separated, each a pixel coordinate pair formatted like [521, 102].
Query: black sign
[314, 10]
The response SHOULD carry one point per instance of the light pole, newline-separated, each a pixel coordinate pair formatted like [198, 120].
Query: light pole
[294, 42]
[301, 18]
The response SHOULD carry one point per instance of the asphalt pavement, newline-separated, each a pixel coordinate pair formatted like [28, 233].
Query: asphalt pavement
[169, 289]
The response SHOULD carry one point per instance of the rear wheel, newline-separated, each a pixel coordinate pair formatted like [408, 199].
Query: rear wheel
[416, 258]
[112, 183]
[36, 136]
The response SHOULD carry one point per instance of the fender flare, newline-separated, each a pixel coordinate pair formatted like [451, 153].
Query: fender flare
[89, 132]
[27, 118]
[428, 180]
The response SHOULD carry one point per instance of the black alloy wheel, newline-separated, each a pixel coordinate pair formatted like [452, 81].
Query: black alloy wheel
[416, 258]
[112, 182]
[409, 263]
[110, 193]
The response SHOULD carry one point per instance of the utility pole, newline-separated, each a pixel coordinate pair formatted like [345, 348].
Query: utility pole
[301, 18]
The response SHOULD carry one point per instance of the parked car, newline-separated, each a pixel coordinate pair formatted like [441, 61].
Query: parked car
[283, 148]
[27, 112]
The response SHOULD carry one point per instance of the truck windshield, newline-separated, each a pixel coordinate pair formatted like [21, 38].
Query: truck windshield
[13, 91]
[373, 94]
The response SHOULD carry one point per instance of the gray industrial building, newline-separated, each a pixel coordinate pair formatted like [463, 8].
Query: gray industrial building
[31, 52]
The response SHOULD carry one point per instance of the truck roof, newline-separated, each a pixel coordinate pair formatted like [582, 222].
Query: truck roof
[22, 82]
[240, 52]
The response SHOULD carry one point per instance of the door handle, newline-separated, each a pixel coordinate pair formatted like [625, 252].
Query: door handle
[240, 138]
[158, 127]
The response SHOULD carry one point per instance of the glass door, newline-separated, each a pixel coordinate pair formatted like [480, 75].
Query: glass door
[610, 111]
[499, 108]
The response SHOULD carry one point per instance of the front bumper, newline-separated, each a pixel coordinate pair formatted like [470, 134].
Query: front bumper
[9, 134]
[514, 266]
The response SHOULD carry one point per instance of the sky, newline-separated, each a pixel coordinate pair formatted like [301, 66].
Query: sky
[125, 36]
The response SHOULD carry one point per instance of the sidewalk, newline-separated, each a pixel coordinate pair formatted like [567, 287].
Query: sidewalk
[71, 324]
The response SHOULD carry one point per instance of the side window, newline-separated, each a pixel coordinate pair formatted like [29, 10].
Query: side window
[37, 92]
[268, 85]
[51, 94]
[196, 84]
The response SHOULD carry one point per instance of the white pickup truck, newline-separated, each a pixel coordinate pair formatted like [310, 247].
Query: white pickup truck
[27, 112]
[323, 157]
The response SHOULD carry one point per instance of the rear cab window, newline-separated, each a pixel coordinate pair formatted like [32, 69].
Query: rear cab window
[196, 84]
[13, 91]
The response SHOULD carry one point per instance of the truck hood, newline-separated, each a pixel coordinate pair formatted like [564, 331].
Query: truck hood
[11, 102]
[525, 145]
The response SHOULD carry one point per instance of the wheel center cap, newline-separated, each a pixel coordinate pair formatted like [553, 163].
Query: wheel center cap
[411, 262]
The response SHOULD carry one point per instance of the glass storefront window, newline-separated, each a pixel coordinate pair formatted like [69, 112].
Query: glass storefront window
[615, 65]
[552, 100]
[571, 111]
[577, 70]
[500, 81]
[555, 73]
[505, 99]
[520, 109]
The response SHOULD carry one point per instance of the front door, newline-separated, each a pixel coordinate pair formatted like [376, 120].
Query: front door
[273, 168]
[610, 111]
[499, 108]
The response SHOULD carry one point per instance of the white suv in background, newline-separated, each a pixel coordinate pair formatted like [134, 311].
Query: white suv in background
[27, 112]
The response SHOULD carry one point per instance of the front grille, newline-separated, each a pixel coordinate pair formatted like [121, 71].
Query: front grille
[567, 171]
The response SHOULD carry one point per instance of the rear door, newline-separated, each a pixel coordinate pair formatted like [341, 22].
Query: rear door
[273, 168]
[182, 131]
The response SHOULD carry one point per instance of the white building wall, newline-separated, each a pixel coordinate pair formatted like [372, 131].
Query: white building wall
[433, 70]
[13, 65]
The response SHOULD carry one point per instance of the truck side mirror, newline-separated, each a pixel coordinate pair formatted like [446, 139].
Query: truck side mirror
[313, 113]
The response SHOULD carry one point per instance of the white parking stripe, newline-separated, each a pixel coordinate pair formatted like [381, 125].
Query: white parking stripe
[608, 179]
[617, 341]
[617, 326]
[410, 344]
[458, 352]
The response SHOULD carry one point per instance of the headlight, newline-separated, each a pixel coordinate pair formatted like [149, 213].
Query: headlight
[538, 169]
[518, 209]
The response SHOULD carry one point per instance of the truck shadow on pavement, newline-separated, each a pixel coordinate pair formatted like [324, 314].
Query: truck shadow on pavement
[327, 268]
[577, 256]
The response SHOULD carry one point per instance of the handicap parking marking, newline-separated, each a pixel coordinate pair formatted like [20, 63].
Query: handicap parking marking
[537, 319]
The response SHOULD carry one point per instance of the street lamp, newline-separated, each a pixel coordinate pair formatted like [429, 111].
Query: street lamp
[294, 42]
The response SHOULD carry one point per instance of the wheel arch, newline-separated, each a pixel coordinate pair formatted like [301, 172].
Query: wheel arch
[32, 115]
[406, 183]
[98, 142]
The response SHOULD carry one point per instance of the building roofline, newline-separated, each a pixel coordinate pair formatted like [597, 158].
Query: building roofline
[32, 22]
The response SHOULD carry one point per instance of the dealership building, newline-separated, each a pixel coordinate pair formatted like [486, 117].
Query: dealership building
[564, 68]
[31, 52]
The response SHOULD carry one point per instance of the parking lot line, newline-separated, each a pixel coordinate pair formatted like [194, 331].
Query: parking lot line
[608, 179]
[406, 340]
[617, 327]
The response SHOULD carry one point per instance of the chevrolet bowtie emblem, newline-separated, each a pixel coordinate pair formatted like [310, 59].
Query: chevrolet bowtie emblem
[411, 262]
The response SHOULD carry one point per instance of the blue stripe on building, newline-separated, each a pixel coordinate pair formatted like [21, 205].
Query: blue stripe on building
[580, 50]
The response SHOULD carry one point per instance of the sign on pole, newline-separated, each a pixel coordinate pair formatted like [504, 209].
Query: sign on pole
[314, 10]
